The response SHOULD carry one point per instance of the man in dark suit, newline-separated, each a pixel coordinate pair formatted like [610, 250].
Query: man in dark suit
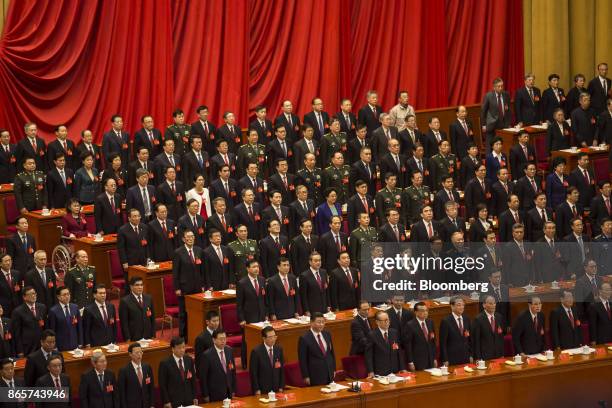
[395, 163]
[422, 231]
[107, 209]
[251, 296]
[384, 356]
[565, 327]
[317, 118]
[132, 242]
[272, 247]
[344, 288]
[477, 191]
[136, 382]
[167, 158]
[204, 341]
[583, 179]
[508, 218]
[86, 145]
[577, 248]
[316, 353]
[411, 137]
[7, 347]
[548, 256]
[468, 165]
[28, 320]
[355, 144]
[148, 137]
[36, 362]
[282, 292]
[381, 137]
[500, 190]
[488, 332]
[248, 213]
[301, 209]
[445, 194]
[225, 187]
[536, 217]
[348, 120]
[599, 88]
[586, 289]
[280, 147]
[117, 141]
[217, 372]
[600, 316]
[360, 329]
[399, 316]
[314, 292]
[142, 195]
[262, 125]
[219, 269]
[193, 222]
[528, 186]
[177, 377]
[59, 182]
[10, 285]
[368, 115]
[205, 129]
[171, 193]
[136, 313]
[332, 243]
[31, 146]
[553, 98]
[65, 320]
[360, 202]
[142, 162]
[420, 340]
[495, 111]
[455, 331]
[252, 181]
[567, 211]
[289, 121]
[528, 329]
[527, 103]
[8, 379]
[196, 161]
[187, 275]
[433, 137]
[54, 379]
[224, 157]
[98, 388]
[99, 320]
[21, 247]
[266, 364]
[461, 133]
[161, 235]
[283, 182]
[363, 169]
[521, 154]
[604, 124]
[8, 170]
[302, 246]
[229, 132]
[601, 206]
[517, 258]
[558, 133]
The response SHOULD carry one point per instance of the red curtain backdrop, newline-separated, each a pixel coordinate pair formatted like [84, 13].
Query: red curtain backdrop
[78, 62]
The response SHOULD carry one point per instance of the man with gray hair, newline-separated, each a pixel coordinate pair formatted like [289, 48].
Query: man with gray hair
[495, 111]
[381, 136]
[98, 386]
[31, 146]
[527, 103]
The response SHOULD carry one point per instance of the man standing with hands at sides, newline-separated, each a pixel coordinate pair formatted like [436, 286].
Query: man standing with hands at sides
[455, 330]
[132, 242]
[313, 287]
[420, 340]
[136, 381]
[81, 280]
[136, 313]
[65, 320]
[187, 275]
[488, 332]
[384, 356]
[600, 316]
[177, 384]
[28, 320]
[565, 328]
[8, 379]
[36, 362]
[204, 341]
[99, 320]
[528, 329]
[266, 364]
[54, 379]
[98, 388]
[316, 353]
[495, 111]
[216, 371]
[282, 292]
[360, 329]
[42, 278]
[250, 300]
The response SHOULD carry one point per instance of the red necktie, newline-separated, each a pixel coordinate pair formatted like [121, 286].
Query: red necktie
[256, 286]
[321, 346]
[34, 144]
[164, 227]
[607, 201]
[460, 325]
[181, 368]
[139, 375]
[319, 280]
[271, 356]
[386, 337]
[225, 159]
[9, 280]
[222, 358]
[338, 244]
[365, 204]
[104, 315]
[535, 323]
[429, 230]
[425, 331]
[112, 203]
[251, 212]
[571, 317]
[586, 176]
[286, 285]
[223, 222]
[34, 310]
[57, 383]
[493, 324]
[191, 256]
[349, 277]
[285, 182]
[500, 105]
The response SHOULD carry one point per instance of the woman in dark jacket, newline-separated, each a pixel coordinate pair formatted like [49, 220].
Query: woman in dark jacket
[86, 180]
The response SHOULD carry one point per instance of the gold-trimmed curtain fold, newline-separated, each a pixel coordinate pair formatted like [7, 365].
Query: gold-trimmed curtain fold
[3, 11]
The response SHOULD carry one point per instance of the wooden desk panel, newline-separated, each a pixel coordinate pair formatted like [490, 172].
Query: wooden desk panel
[153, 283]
[98, 255]
[154, 354]
[5, 190]
[510, 139]
[197, 306]
[46, 229]
[572, 157]
[447, 115]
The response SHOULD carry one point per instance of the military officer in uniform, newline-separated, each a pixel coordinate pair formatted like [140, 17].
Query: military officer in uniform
[337, 176]
[443, 165]
[244, 250]
[388, 197]
[311, 177]
[332, 142]
[29, 188]
[414, 199]
[81, 280]
[360, 239]
[252, 152]
[179, 132]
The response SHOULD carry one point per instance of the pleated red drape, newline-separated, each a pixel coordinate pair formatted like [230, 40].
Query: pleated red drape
[80, 61]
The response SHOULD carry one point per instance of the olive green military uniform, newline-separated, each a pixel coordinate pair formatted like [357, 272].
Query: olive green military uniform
[331, 144]
[243, 251]
[337, 177]
[248, 153]
[386, 199]
[413, 200]
[442, 167]
[359, 243]
[313, 180]
[30, 190]
[81, 283]
[181, 134]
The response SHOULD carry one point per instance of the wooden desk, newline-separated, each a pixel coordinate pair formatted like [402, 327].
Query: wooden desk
[153, 284]
[571, 157]
[45, 229]
[510, 139]
[448, 115]
[580, 381]
[197, 306]
[5, 190]
[156, 352]
[98, 256]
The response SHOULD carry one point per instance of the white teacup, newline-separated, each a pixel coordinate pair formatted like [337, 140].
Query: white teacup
[227, 402]
[45, 211]
[208, 294]
[550, 355]
[444, 370]
[272, 396]
[554, 285]
[586, 350]
[481, 364]
[518, 359]
[78, 353]
[333, 386]
[574, 148]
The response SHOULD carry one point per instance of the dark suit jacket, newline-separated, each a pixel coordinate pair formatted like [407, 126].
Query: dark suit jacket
[27, 328]
[587, 190]
[584, 125]
[342, 293]
[534, 224]
[133, 248]
[314, 364]
[526, 337]
[132, 392]
[161, 244]
[300, 148]
[96, 330]
[300, 250]
[245, 182]
[161, 162]
[93, 395]
[549, 262]
[455, 346]
[604, 127]
[215, 382]
[354, 149]
[564, 216]
[599, 211]
[217, 161]
[467, 170]
[344, 126]
[253, 224]
[174, 388]
[298, 213]
[555, 140]
[233, 139]
[250, 305]
[23, 259]
[267, 375]
[388, 165]
[379, 141]
[527, 110]
[175, 202]
[459, 138]
[281, 304]
[7, 347]
[518, 160]
[584, 293]
[440, 199]
[366, 117]
[359, 172]
[384, 357]
[36, 366]
[8, 169]
[329, 250]
[216, 275]
[431, 143]
[600, 323]
[187, 275]
[555, 190]
[264, 133]
[45, 291]
[311, 119]
[269, 253]
[518, 268]
[47, 382]
[598, 96]
[355, 207]
[191, 167]
[274, 151]
[550, 102]
[397, 323]
[314, 298]
[292, 131]
[505, 222]
[418, 235]
[208, 141]
[82, 148]
[276, 183]
[107, 221]
[137, 322]
[68, 330]
[185, 223]
[112, 144]
[419, 350]
[488, 344]
[58, 193]
[135, 165]
[203, 342]
[24, 149]
[141, 139]
[360, 335]
[494, 163]
[18, 382]
[500, 197]
[565, 333]
[216, 189]
[474, 195]
[134, 199]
